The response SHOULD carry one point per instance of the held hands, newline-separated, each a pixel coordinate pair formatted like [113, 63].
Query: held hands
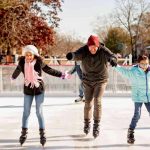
[66, 75]
[113, 62]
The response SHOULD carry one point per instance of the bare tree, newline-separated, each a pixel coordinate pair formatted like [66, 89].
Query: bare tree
[63, 44]
[129, 14]
[102, 25]
[145, 29]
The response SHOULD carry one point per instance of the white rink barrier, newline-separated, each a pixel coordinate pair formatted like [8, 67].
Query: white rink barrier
[117, 85]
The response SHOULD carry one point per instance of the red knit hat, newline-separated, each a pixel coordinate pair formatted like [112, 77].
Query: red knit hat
[93, 40]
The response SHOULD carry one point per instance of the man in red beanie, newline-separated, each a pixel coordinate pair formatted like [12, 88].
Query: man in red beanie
[94, 58]
[93, 40]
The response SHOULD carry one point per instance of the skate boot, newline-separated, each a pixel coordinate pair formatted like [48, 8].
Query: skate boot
[42, 137]
[96, 128]
[130, 136]
[83, 100]
[23, 136]
[78, 100]
[87, 126]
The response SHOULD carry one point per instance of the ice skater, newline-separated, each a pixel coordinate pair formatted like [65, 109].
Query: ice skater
[94, 59]
[139, 75]
[31, 65]
[77, 69]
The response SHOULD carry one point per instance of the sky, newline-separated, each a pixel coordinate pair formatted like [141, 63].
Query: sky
[79, 15]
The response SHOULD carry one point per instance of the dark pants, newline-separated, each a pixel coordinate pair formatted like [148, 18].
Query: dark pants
[93, 92]
[137, 113]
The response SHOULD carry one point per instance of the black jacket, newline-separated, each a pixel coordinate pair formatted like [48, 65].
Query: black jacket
[39, 66]
[94, 67]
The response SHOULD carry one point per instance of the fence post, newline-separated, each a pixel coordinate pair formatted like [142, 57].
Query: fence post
[130, 59]
[114, 81]
[1, 80]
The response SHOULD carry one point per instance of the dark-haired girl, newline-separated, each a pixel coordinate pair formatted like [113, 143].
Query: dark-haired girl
[139, 75]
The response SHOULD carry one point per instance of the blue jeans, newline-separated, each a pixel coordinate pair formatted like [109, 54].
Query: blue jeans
[81, 94]
[137, 113]
[28, 99]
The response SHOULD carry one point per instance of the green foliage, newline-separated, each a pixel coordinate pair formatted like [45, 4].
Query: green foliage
[116, 39]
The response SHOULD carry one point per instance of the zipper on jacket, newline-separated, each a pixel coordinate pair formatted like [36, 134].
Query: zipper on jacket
[146, 87]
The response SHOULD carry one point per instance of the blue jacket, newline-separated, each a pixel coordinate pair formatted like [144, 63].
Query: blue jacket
[140, 82]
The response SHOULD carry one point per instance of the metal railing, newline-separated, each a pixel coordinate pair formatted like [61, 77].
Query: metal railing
[57, 61]
[117, 85]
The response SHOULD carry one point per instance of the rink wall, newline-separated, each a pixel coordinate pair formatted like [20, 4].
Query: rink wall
[117, 85]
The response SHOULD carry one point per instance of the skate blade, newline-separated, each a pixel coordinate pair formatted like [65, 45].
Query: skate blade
[95, 137]
[130, 142]
[43, 144]
[78, 101]
[86, 133]
[21, 144]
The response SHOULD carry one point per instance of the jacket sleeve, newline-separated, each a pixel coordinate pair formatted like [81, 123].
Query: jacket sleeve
[77, 55]
[16, 72]
[110, 56]
[51, 71]
[128, 73]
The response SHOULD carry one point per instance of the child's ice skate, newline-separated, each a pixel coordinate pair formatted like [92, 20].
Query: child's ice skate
[23, 136]
[130, 136]
[42, 137]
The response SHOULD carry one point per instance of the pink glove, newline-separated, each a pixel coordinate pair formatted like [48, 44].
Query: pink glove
[66, 75]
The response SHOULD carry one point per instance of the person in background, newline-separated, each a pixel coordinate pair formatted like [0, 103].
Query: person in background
[31, 65]
[94, 59]
[139, 75]
[1, 58]
[9, 58]
[77, 69]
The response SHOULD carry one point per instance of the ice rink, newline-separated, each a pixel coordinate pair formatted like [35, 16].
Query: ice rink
[64, 125]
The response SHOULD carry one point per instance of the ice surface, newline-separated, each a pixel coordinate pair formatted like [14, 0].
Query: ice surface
[64, 125]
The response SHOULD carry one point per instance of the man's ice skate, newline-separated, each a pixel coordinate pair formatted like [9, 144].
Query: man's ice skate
[130, 136]
[42, 137]
[80, 99]
[87, 126]
[96, 128]
[23, 136]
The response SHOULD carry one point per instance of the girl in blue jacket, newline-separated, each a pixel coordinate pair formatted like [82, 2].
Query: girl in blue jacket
[139, 75]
